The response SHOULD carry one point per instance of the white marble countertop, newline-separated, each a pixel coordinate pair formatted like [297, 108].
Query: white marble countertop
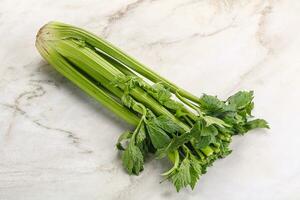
[57, 143]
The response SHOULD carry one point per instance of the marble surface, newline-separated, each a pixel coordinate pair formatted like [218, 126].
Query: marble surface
[57, 143]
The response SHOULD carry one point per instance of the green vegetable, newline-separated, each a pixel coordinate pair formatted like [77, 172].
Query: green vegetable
[170, 122]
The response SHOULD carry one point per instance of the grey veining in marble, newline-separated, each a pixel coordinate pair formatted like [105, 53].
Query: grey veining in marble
[57, 143]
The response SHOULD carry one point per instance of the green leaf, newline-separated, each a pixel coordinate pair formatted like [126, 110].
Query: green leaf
[178, 141]
[194, 178]
[213, 120]
[249, 108]
[159, 92]
[211, 103]
[162, 94]
[149, 114]
[127, 100]
[195, 171]
[124, 136]
[141, 140]
[241, 99]
[182, 177]
[196, 129]
[173, 105]
[209, 130]
[133, 159]
[180, 113]
[195, 164]
[141, 135]
[203, 142]
[257, 123]
[224, 147]
[158, 136]
[129, 82]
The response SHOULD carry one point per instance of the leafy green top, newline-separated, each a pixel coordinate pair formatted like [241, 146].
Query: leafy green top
[191, 152]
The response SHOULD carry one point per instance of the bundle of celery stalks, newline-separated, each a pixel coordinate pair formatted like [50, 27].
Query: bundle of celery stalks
[191, 132]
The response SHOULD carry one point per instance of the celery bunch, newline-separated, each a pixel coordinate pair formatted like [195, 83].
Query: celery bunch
[170, 122]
